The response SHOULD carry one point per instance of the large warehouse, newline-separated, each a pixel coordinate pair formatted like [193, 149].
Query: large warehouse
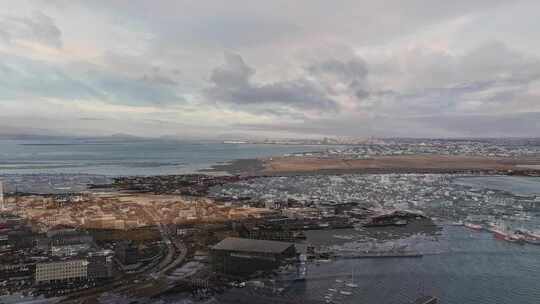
[237, 256]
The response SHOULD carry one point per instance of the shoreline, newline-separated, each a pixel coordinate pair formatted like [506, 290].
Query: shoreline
[415, 164]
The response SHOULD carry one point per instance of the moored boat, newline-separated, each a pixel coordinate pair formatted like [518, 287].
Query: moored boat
[473, 226]
[498, 231]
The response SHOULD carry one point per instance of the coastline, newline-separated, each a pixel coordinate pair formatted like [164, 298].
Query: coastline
[415, 164]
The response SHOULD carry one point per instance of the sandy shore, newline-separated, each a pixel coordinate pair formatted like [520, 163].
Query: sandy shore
[382, 164]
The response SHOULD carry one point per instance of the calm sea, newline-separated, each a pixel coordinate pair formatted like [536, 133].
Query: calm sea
[126, 157]
[464, 267]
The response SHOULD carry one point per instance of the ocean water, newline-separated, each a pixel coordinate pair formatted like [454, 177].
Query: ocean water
[517, 185]
[126, 157]
[464, 267]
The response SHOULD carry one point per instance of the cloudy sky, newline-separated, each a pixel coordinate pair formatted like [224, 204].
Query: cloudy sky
[461, 68]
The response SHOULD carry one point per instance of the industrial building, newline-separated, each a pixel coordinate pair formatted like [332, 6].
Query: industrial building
[238, 256]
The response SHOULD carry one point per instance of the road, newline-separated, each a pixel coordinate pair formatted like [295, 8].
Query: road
[175, 255]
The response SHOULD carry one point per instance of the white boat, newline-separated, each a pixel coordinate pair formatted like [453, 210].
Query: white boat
[344, 237]
[498, 230]
[345, 293]
[352, 284]
[473, 226]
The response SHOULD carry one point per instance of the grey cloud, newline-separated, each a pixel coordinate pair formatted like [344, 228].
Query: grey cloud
[427, 64]
[133, 65]
[362, 94]
[235, 72]
[350, 70]
[483, 80]
[460, 125]
[232, 83]
[352, 73]
[39, 28]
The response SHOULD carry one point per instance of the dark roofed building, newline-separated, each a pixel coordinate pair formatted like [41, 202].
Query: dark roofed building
[239, 256]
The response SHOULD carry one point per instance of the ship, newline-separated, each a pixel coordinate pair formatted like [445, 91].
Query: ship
[473, 226]
[530, 237]
[498, 231]
[515, 238]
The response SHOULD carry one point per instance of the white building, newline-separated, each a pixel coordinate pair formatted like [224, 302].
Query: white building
[68, 270]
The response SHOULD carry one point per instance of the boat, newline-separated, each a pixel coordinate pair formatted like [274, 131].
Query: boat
[532, 235]
[344, 237]
[352, 284]
[515, 238]
[473, 226]
[345, 293]
[498, 231]
[318, 261]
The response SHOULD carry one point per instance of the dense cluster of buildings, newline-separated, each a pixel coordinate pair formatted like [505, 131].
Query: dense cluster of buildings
[60, 256]
[76, 210]
[189, 184]
[436, 195]
[365, 147]
[485, 148]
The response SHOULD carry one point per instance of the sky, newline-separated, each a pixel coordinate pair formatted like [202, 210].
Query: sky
[281, 68]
